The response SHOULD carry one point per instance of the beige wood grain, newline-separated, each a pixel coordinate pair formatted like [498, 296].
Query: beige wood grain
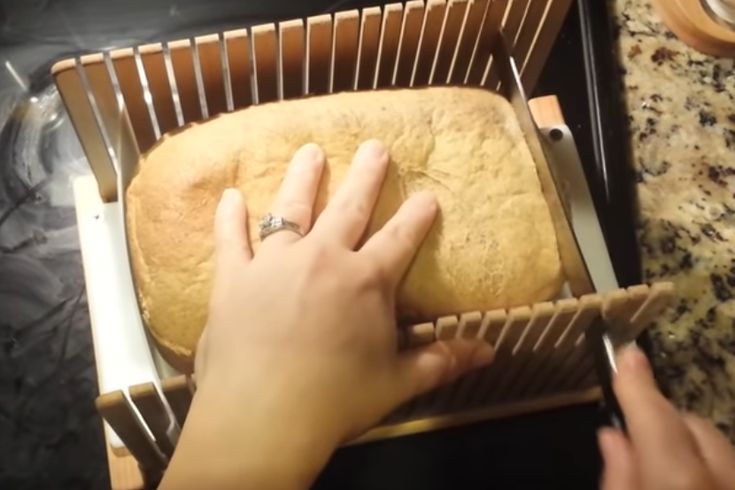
[469, 325]
[292, 57]
[390, 36]
[265, 62]
[370, 23]
[693, 25]
[542, 44]
[616, 313]
[344, 50]
[132, 92]
[151, 56]
[482, 413]
[80, 112]
[485, 42]
[449, 41]
[117, 412]
[421, 334]
[413, 17]
[469, 35]
[318, 53]
[178, 393]
[125, 474]
[237, 44]
[661, 294]
[182, 62]
[429, 42]
[145, 397]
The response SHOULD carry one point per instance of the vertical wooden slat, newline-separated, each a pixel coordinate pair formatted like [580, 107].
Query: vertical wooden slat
[447, 328]
[523, 352]
[421, 334]
[564, 311]
[514, 19]
[116, 410]
[616, 313]
[237, 44]
[410, 32]
[182, 62]
[145, 397]
[292, 57]
[319, 50]
[566, 351]
[487, 39]
[127, 76]
[502, 366]
[114, 117]
[369, 39]
[344, 50]
[470, 324]
[178, 394]
[490, 330]
[265, 62]
[90, 136]
[537, 9]
[210, 63]
[660, 296]
[390, 35]
[151, 56]
[463, 57]
[544, 40]
[456, 10]
[428, 48]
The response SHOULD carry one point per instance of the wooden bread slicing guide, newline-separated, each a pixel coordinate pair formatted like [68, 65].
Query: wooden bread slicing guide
[121, 102]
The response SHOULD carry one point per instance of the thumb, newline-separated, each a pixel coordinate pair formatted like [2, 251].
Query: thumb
[617, 454]
[426, 368]
[230, 231]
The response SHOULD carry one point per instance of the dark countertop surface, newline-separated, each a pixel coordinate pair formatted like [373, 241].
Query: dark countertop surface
[50, 435]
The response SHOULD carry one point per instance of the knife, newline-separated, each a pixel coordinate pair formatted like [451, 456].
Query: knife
[584, 233]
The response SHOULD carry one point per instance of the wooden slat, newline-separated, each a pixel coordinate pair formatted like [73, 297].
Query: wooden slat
[390, 35]
[660, 296]
[502, 366]
[449, 42]
[182, 62]
[468, 39]
[237, 45]
[421, 334]
[90, 136]
[410, 32]
[178, 393]
[151, 55]
[470, 324]
[485, 42]
[292, 58]
[319, 50]
[616, 312]
[265, 62]
[210, 63]
[490, 330]
[127, 76]
[564, 311]
[428, 48]
[116, 410]
[542, 44]
[537, 9]
[637, 295]
[145, 397]
[124, 471]
[563, 361]
[370, 23]
[514, 19]
[344, 50]
[524, 349]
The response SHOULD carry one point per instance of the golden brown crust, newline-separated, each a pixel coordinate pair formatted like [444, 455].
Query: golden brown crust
[493, 245]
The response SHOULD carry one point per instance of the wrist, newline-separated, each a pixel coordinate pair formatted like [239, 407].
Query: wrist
[258, 445]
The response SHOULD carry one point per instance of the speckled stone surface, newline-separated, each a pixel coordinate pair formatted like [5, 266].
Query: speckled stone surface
[681, 109]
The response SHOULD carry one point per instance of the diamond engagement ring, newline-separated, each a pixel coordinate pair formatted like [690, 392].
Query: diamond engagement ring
[270, 224]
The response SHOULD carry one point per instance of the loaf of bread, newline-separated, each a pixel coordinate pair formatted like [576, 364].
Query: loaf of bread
[492, 246]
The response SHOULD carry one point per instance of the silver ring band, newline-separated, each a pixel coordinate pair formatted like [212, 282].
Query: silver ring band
[270, 224]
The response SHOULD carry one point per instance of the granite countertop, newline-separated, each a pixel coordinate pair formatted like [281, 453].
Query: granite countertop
[681, 110]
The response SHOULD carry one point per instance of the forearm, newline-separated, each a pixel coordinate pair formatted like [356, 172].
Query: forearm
[261, 451]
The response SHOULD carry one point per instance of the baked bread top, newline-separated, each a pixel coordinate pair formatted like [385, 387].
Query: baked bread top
[492, 246]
